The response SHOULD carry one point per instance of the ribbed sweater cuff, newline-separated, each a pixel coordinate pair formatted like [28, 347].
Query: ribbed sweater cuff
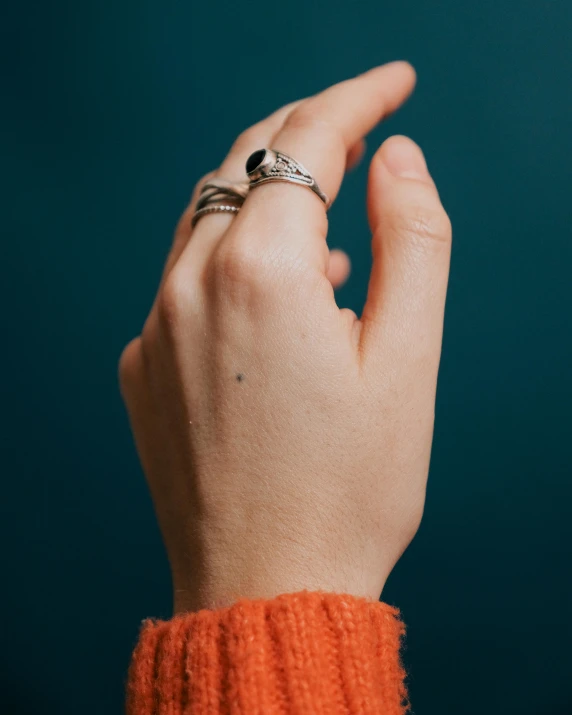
[307, 652]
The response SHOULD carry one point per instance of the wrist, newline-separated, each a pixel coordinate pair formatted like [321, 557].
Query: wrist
[226, 586]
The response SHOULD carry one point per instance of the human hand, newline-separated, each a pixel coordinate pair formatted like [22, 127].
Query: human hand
[286, 441]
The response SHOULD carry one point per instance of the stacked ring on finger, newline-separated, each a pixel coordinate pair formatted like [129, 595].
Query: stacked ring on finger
[220, 196]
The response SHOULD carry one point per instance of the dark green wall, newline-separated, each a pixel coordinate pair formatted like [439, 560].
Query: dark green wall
[110, 112]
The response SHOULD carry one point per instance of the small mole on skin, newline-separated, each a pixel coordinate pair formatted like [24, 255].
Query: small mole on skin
[239, 376]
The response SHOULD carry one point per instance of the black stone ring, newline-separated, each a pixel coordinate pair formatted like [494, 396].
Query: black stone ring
[266, 165]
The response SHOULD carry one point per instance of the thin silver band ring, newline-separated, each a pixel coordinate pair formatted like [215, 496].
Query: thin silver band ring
[215, 208]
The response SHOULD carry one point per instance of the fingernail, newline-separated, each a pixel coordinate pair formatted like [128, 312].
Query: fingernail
[405, 159]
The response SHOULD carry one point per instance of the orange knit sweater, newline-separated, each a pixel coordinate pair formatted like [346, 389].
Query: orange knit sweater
[307, 653]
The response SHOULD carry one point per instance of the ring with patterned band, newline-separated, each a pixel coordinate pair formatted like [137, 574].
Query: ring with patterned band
[220, 196]
[266, 165]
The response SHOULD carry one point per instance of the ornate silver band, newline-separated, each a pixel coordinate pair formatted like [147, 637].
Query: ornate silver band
[267, 165]
[215, 208]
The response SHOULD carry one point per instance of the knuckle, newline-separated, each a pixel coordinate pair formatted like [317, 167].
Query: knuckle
[174, 299]
[236, 263]
[129, 362]
[149, 341]
[245, 275]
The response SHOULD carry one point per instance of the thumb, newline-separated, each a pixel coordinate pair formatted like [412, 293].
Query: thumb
[411, 249]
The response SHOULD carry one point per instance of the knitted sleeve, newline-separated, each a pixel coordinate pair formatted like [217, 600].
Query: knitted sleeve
[299, 653]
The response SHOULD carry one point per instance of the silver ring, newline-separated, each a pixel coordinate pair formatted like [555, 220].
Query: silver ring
[220, 196]
[266, 165]
[220, 190]
[215, 208]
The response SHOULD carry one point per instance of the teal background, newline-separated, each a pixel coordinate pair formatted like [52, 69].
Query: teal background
[110, 113]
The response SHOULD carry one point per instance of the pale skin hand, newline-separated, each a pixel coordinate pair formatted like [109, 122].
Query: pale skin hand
[286, 442]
